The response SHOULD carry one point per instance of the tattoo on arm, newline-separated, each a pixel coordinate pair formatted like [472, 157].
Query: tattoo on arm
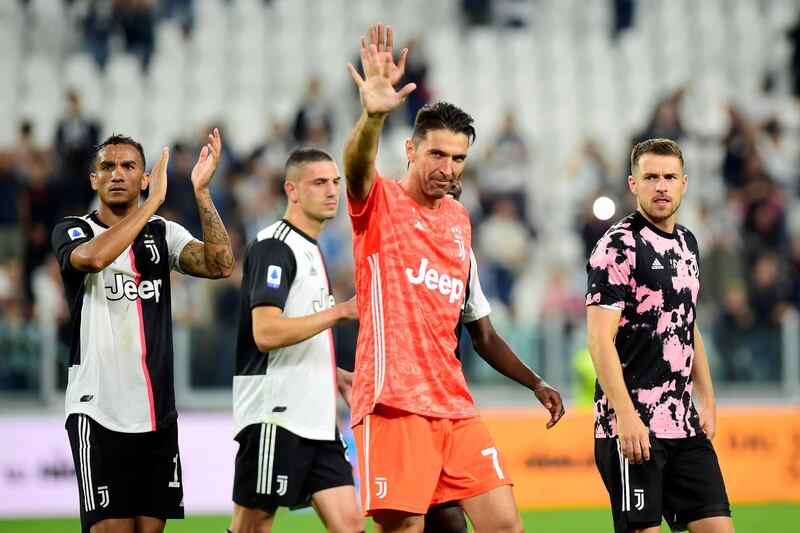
[213, 258]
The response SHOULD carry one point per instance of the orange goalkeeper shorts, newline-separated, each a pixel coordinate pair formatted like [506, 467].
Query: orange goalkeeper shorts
[409, 462]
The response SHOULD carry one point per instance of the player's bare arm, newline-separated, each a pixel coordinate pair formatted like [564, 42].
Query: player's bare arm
[101, 251]
[500, 356]
[344, 383]
[213, 257]
[634, 437]
[703, 389]
[378, 98]
[272, 331]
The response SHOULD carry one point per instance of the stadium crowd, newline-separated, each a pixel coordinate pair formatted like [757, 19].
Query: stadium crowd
[749, 231]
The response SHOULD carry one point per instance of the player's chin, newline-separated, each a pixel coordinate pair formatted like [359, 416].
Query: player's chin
[437, 192]
[329, 213]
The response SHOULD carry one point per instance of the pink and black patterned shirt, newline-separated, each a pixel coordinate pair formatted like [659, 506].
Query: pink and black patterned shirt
[653, 277]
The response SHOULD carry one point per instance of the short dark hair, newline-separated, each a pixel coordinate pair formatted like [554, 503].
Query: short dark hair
[442, 116]
[121, 139]
[655, 146]
[302, 156]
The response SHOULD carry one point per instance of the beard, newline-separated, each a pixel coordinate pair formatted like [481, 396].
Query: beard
[658, 214]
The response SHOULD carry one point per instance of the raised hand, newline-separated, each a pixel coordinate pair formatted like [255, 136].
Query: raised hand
[207, 162]
[381, 74]
[158, 178]
[551, 400]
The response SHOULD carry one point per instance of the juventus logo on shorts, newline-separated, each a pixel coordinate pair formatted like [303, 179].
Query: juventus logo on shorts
[283, 484]
[381, 482]
[104, 497]
[639, 495]
[150, 244]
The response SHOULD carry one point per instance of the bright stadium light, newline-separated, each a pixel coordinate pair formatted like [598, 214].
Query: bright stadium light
[604, 208]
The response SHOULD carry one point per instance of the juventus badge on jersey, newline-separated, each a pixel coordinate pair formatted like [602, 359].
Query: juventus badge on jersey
[150, 244]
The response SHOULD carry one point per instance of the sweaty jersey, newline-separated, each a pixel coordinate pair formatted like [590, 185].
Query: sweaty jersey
[293, 387]
[120, 362]
[412, 266]
[653, 278]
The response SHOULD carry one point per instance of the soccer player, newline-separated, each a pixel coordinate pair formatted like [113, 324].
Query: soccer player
[448, 517]
[120, 402]
[652, 444]
[284, 390]
[419, 437]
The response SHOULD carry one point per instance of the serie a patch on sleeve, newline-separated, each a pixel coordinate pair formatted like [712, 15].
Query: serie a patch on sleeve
[274, 276]
[76, 233]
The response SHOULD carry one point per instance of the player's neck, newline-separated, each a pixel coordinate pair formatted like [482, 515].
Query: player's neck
[409, 185]
[304, 223]
[667, 225]
[109, 215]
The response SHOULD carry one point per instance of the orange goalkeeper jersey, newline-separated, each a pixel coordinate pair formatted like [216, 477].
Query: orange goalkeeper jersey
[412, 269]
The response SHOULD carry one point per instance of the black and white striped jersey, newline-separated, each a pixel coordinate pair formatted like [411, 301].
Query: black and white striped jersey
[293, 387]
[120, 367]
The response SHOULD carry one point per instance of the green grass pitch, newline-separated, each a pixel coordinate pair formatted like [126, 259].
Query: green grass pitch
[767, 518]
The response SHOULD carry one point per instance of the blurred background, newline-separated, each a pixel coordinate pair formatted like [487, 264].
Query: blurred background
[560, 91]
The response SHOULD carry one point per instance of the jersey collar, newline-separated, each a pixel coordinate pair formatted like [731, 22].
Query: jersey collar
[299, 231]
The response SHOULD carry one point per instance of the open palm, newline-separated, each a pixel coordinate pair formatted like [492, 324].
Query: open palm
[381, 74]
[207, 163]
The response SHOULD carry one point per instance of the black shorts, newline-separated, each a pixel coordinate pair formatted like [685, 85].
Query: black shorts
[124, 475]
[276, 468]
[682, 482]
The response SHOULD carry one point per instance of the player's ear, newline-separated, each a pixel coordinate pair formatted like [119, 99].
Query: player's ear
[93, 180]
[411, 151]
[632, 184]
[290, 190]
[145, 180]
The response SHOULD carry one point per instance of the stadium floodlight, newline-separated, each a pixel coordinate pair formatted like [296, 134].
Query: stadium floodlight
[604, 208]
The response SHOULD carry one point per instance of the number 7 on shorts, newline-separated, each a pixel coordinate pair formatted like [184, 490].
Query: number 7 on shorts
[493, 452]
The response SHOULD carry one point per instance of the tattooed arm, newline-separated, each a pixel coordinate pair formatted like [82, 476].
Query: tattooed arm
[212, 258]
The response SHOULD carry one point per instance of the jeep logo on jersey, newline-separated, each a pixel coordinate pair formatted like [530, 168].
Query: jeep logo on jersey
[325, 301]
[445, 284]
[127, 288]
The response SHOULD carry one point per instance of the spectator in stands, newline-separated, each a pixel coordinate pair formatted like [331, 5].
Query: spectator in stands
[76, 137]
[507, 168]
[735, 322]
[624, 11]
[764, 225]
[313, 122]
[136, 20]
[11, 240]
[181, 201]
[767, 300]
[416, 72]
[37, 217]
[779, 152]
[95, 20]
[504, 243]
[794, 40]
[738, 144]
[477, 12]
[666, 122]
[25, 150]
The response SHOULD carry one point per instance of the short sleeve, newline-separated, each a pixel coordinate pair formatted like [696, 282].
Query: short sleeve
[68, 234]
[177, 238]
[476, 305]
[610, 268]
[270, 270]
[361, 212]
